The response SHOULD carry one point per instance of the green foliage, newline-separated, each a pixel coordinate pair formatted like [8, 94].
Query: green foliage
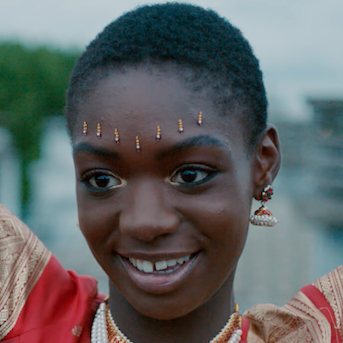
[32, 87]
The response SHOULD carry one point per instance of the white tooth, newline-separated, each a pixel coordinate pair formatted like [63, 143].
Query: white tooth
[161, 265]
[187, 258]
[134, 261]
[180, 260]
[171, 263]
[139, 264]
[169, 271]
[148, 267]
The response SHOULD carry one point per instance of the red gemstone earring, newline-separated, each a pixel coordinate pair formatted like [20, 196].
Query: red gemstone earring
[262, 216]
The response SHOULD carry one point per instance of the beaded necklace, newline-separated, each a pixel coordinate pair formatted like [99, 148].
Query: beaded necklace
[105, 330]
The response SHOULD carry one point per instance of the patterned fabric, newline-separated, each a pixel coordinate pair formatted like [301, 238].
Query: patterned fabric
[331, 285]
[40, 301]
[314, 315]
[22, 260]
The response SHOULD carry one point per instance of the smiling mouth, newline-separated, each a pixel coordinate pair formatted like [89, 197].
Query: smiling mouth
[162, 276]
[159, 267]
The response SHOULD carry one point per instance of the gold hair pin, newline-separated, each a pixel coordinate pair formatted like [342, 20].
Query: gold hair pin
[180, 126]
[138, 145]
[116, 136]
[98, 130]
[199, 118]
[158, 133]
[85, 128]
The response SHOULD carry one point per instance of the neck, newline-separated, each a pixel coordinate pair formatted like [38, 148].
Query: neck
[199, 326]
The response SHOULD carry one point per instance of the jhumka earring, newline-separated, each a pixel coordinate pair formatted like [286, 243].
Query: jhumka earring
[138, 145]
[98, 130]
[262, 216]
[180, 126]
[158, 133]
[199, 121]
[116, 136]
[85, 128]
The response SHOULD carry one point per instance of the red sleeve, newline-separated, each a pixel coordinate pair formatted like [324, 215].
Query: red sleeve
[60, 308]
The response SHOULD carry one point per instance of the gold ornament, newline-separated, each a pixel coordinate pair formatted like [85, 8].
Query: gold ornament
[180, 126]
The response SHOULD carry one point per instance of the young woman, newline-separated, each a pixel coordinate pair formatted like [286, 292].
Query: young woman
[166, 111]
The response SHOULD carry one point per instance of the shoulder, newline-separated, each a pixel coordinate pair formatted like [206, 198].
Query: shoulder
[38, 297]
[22, 260]
[314, 314]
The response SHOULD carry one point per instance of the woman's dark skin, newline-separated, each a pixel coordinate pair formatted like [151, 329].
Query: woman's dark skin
[187, 194]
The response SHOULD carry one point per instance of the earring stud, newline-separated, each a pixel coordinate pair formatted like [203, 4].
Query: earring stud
[180, 127]
[85, 128]
[116, 136]
[98, 130]
[158, 133]
[199, 118]
[138, 145]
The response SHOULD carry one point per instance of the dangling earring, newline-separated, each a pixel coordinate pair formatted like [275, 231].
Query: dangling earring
[262, 216]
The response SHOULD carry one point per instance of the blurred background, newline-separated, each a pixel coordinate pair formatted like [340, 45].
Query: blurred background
[299, 44]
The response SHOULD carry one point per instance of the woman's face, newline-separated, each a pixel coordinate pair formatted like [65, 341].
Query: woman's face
[167, 223]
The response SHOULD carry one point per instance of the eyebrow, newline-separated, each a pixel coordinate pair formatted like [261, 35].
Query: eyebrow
[192, 142]
[88, 148]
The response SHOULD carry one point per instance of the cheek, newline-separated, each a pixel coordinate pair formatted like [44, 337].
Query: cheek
[222, 219]
[97, 221]
[226, 228]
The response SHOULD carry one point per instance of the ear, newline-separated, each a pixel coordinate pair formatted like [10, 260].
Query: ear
[267, 161]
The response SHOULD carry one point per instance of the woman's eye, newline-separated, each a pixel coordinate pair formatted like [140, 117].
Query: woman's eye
[102, 181]
[191, 176]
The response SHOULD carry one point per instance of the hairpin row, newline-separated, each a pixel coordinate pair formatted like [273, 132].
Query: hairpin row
[138, 146]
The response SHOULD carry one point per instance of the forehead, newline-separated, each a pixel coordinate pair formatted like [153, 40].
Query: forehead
[147, 89]
[137, 100]
[134, 90]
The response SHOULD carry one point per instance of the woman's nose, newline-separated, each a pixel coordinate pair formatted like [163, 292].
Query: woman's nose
[146, 215]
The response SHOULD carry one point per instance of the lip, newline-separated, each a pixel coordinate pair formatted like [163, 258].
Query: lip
[160, 283]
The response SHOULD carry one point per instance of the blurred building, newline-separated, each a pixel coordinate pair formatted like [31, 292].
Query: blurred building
[328, 147]
[313, 153]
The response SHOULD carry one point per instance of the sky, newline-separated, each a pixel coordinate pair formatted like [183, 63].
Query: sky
[299, 42]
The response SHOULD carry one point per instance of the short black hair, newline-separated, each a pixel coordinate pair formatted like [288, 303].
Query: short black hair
[187, 36]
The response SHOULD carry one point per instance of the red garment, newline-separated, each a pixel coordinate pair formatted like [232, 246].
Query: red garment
[39, 300]
[60, 308]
